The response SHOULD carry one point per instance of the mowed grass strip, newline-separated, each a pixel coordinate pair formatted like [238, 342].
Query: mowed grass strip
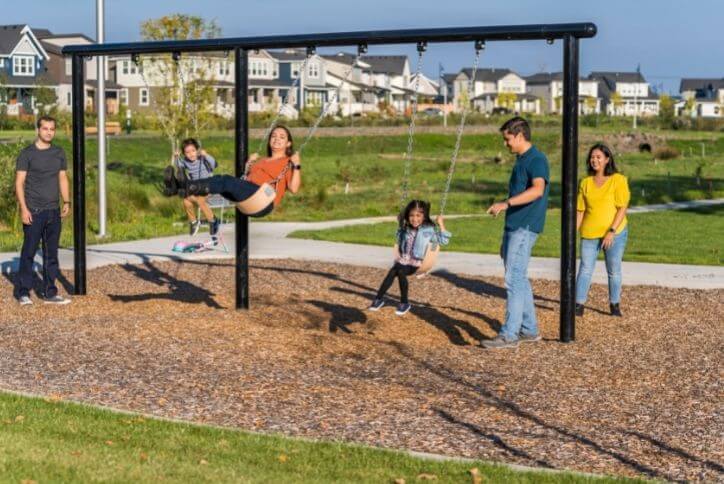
[676, 237]
[51, 441]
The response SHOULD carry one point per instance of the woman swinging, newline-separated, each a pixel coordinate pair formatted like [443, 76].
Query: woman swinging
[278, 172]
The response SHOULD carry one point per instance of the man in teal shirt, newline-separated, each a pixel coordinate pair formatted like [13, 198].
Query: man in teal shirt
[525, 215]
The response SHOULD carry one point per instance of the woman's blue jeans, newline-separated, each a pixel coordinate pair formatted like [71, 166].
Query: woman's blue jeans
[613, 257]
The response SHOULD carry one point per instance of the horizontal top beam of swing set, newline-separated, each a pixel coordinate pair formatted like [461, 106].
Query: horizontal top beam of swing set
[448, 34]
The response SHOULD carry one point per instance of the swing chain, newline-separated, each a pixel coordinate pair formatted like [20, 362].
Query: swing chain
[479, 46]
[421, 47]
[332, 100]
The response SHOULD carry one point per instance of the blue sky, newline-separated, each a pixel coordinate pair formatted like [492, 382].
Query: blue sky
[668, 38]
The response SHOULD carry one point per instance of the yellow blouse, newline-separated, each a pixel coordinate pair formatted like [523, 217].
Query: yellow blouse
[600, 205]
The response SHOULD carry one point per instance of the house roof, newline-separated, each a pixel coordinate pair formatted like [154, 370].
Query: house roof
[489, 74]
[46, 39]
[448, 78]
[10, 36]
[617, 76]
[388, 64]
[544, 77]
[694, 84]
[288, 55]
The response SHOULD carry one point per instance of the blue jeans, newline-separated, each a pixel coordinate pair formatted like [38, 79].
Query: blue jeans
[236, 190]
[613, 256]
[520, 311]
[46, 229]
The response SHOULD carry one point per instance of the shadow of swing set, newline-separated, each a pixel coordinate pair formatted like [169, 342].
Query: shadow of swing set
[569, 33]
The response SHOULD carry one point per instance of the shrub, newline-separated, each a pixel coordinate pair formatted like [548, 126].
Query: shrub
[666, 153]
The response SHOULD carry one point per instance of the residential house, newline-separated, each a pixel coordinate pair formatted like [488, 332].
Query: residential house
[390, 73]
[313, 85]
[357, 91]
[626, 93]
[494, 89]
[548, 87]
[705, 96]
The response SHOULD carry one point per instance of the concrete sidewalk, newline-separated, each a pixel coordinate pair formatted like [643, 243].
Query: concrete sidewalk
[269, 240]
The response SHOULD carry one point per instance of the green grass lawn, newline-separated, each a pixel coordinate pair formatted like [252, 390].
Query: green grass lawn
[679, 237]
[348, 177]
[47, 441]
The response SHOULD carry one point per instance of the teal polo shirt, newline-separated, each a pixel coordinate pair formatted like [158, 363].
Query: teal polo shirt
[532, 216]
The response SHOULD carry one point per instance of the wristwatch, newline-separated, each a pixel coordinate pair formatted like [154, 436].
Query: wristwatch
[296, 167]
[612, 230]
[507, 202]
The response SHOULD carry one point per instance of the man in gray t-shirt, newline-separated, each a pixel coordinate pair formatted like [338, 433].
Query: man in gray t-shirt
[40, 180]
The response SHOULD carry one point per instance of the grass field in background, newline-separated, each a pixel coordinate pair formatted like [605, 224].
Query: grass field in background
[677, 237]
[349, 177]
[51, 441]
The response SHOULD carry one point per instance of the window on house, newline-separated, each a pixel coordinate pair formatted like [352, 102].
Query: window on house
[2, 62]
[295, 70]
[123, 97]
[253, 68]
[124, 67]
[313, 70]
[222, 68]
[68, 98]
[23, 65]
[264, 69]
[143, 97]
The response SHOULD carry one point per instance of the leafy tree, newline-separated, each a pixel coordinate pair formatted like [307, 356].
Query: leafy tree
[617, 102]
[45, 97]
[666, 109]
[590, 103]
[507, 100]
[184, 100]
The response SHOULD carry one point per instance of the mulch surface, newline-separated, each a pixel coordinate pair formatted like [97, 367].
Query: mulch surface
[639, 395]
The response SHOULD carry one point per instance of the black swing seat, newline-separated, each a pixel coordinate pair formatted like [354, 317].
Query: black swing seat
[261, 199]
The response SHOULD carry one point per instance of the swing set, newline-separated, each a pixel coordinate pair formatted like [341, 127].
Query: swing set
[569, 33]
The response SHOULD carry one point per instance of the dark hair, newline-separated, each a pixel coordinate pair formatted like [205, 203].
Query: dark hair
[47, 119]
[516, 125]
[290, 148]
[421, 205]
[189, 142]
[610, 166]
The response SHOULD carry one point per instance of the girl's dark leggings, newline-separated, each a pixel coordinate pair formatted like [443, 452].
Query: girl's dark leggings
[236, 190]
[401, 272]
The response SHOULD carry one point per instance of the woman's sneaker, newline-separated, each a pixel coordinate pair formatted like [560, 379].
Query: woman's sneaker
[499, 342]
[616, 310]
[403, 309]
[376, 305]
[25, 301]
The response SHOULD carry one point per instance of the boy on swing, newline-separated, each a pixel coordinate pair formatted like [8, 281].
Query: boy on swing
[197, 164]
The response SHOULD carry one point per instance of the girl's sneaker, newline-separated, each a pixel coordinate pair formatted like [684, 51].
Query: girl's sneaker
[403, 308]
[194, 227]
[376, 305]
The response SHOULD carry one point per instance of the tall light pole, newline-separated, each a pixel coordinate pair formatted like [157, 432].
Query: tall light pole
[101, 108]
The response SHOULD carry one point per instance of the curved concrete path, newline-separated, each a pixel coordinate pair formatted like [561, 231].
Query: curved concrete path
[269, 240]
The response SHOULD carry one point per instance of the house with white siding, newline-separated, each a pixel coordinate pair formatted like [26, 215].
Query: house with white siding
[626, 94]
[548, 87]
[707, 96]
[488, 86]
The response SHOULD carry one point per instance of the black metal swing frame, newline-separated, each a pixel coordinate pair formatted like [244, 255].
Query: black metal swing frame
[569, 33]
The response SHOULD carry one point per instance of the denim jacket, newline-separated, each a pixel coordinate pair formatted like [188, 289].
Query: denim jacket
[426, 235]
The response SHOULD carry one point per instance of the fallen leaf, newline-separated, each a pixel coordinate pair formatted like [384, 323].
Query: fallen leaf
[162, 401]
[109, 442]
[75, 453]
[475, 474]
[203, 462]
[19, 418]
[399, 481]
[28, 481]
[283, 458]
[143, 457]
[427, 477]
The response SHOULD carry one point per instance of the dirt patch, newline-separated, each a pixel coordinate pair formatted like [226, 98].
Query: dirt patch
[638, 395]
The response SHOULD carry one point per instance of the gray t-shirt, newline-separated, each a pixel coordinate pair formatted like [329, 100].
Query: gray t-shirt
[202, 168]
[42, 190]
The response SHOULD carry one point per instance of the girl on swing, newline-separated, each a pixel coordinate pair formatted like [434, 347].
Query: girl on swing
[281, 169]
[415, 233]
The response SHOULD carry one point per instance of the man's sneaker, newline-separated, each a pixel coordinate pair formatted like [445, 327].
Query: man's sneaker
[57, 299]
[616, 310]
[499, 342]
[530, 338]
[579, 309]
[214, 227]
[376, 305]
[25, 300]
[403, 309]
[194, 227]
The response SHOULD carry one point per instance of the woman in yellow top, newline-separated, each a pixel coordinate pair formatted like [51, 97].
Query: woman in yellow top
[603, 198]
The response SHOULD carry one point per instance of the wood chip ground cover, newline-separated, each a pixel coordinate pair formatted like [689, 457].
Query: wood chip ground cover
[636, 396]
